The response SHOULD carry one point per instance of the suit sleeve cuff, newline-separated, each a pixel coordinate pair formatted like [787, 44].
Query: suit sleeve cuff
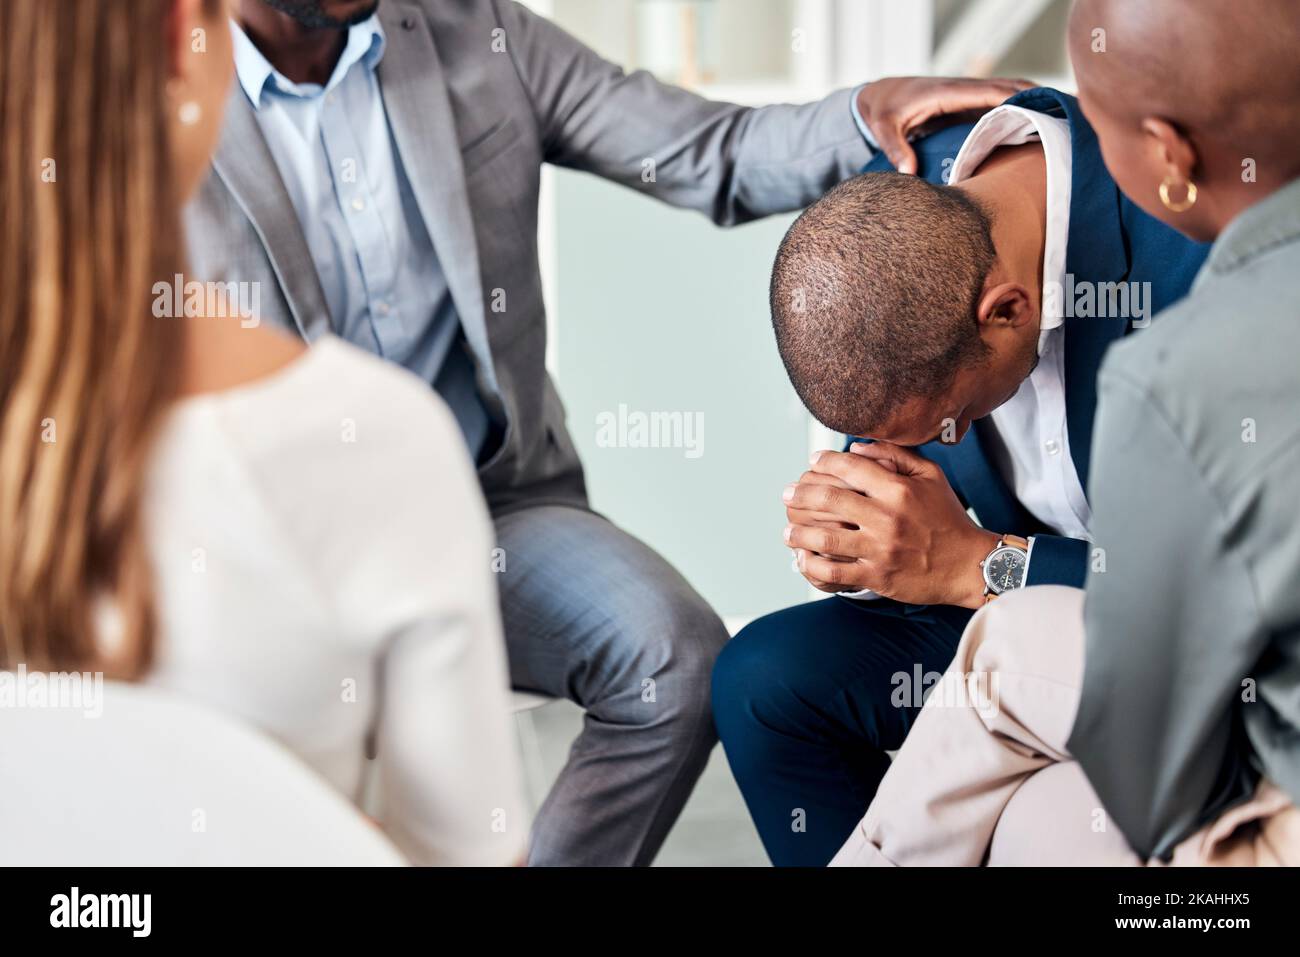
[1055, 560]
[863, 128]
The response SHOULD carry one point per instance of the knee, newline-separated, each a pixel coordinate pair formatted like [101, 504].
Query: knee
[997, 633]
[780, 684]
[680, 634]
[747, 679]
[669, 641]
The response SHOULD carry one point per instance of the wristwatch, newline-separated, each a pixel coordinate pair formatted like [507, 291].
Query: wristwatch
[1005, 566]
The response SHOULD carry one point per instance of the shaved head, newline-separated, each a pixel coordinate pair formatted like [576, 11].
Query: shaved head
[1193, 102]
[874, 295]
[1224, 71]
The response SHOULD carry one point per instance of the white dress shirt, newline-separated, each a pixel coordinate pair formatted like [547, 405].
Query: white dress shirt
[1032, 451]
[321, 557]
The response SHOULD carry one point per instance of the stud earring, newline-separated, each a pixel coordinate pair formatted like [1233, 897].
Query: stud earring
[189, 112]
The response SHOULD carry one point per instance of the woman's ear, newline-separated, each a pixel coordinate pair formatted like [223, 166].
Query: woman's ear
[1005, 305]
[1172, 154]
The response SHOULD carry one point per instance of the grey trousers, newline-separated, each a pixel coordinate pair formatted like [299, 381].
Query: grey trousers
[593, 615]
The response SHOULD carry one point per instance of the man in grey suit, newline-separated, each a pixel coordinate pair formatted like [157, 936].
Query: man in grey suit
[378, 178]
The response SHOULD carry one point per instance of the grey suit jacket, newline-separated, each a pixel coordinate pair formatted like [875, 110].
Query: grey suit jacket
[1192, 674]
[480, 93]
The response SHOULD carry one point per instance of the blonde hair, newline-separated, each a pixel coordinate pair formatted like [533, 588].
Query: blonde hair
[90, 221]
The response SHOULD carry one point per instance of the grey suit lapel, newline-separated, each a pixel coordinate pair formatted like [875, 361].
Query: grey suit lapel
[245, 164]
[419, 114]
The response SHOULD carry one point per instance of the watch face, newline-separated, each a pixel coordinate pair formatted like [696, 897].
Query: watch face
[1005, 569]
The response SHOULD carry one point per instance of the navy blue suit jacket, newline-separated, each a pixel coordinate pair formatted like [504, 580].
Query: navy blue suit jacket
[1111, 240]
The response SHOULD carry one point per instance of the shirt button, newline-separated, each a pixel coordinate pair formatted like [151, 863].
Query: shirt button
[358, 204]
[382, 308]
[1053, 447]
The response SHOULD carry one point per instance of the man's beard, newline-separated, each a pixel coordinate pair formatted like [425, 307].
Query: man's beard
[310, 14]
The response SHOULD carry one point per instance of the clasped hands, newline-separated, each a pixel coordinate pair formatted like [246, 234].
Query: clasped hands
[882, 517]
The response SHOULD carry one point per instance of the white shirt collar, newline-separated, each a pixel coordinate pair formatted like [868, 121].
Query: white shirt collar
[1010, 126]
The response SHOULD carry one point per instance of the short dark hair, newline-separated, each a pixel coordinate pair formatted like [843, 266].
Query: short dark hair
[874, 295]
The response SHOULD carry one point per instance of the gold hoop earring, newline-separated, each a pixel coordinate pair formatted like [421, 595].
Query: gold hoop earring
[1187, 203]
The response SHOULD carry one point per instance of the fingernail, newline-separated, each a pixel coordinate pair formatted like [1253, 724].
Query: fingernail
[815, 458]
[788, 493]
[858, 447]
[789, 531]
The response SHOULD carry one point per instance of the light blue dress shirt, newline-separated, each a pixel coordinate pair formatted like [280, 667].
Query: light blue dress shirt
[382, 280]
[863, 128]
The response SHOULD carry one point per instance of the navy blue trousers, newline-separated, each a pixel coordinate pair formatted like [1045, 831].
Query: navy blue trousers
[808, 700]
